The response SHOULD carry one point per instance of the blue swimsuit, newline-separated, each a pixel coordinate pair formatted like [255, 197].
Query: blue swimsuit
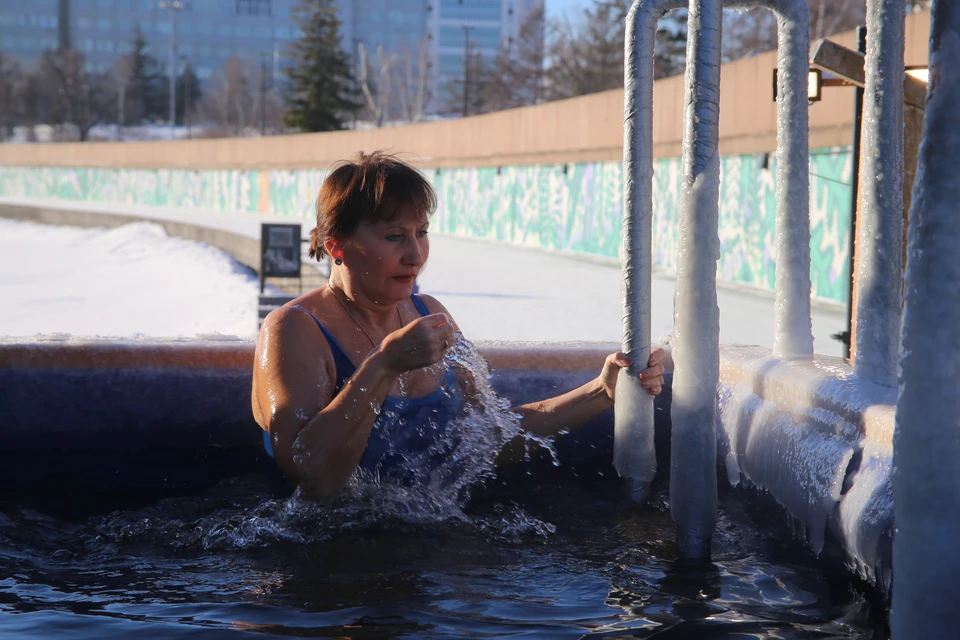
[405, 425]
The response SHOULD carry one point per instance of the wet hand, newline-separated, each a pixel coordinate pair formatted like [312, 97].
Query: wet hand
[419, 344]
[651, 378]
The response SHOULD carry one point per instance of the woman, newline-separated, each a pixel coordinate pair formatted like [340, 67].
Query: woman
[339, 367]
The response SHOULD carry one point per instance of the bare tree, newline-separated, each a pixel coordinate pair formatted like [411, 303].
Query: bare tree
[228, 101]
[518, 73]
[587, 56]
[82, 98]
[378, 96]
[413, 83]
[751, 32]
[267, 105]
[121, 77]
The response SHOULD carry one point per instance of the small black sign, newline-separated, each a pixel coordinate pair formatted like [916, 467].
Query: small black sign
[279, 250]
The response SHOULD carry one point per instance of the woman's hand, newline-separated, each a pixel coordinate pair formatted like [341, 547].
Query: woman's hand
[651, 378]
[419, 344]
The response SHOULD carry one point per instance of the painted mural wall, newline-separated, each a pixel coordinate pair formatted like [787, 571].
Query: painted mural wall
[573, 207]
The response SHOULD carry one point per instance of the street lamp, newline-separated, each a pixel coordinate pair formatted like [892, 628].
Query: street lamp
[172, 6]
[187, 72]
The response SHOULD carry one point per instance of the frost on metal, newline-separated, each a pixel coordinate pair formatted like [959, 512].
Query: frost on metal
[817, 439]
[634, 455]
[880, 216]
[696, 338]
[926, 475]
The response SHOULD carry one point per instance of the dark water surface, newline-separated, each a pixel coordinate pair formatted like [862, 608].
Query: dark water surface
[559, 560]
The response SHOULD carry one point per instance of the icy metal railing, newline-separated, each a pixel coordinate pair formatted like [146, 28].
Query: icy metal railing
[633, 449]
[696, 338]
[926, 477]
[880, 210]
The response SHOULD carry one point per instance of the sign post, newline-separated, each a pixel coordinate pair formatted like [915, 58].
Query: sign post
[279, 258]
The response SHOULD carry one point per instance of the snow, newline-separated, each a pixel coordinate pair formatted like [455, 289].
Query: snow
[880, 216]
[130, 280]
[693, 478]
[494, 291]
[926, 476]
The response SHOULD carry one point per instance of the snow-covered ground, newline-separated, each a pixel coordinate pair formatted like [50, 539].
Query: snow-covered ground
[135, 280]
[130, 280]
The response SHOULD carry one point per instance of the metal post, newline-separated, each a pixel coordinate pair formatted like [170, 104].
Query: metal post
[173, 75]
[880, 233]
[186, 95]
[171, 6]
[634, 453]
[263, 94]
[854, 192]
[696, 337]
[466, 67]
[926, 478]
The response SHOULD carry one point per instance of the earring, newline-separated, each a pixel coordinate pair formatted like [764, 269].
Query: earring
[338, 261]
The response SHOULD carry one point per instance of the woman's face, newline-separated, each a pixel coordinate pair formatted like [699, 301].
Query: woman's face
[385, 258]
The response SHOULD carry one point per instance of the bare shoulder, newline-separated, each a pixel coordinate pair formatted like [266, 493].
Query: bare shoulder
[290, 335]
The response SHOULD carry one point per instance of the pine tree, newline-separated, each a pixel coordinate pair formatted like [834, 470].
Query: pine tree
[188, 88]
[146, 94]
[322, 91]
[670, 54]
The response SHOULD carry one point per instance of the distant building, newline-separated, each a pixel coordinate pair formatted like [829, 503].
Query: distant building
[427, 39]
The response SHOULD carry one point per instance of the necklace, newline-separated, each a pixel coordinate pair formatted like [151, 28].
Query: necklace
[354, 318]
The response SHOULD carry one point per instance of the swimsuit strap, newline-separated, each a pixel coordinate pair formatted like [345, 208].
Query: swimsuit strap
[341, 362]
[344, 366]
[419, 304]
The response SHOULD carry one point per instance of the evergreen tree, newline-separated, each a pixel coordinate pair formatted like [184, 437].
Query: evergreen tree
[670, 55]
[146, 94]
[322, 91]
[188, 88]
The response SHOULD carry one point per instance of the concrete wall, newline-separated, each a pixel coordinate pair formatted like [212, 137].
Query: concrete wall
[588, 128]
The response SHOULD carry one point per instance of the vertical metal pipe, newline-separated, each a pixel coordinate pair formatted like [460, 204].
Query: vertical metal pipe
[793, 334]
[926, 477]
[854, 194]
[634, 455]
[696, 338]
[880, 238]
[171, 7]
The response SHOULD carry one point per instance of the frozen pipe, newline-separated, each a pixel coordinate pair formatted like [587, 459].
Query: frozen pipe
[696, 333]
[880, 215]
[633, 449]
[793, 333]
[926, 477]
[634, 432]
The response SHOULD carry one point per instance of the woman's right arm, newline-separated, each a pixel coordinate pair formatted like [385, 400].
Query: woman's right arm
[318, 439]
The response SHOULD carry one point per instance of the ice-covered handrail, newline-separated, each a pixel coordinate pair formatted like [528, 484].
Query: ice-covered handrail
[634, 432]
[926, 477]
[696, 332]
[793, 333]
[880, 215]
[633, 448]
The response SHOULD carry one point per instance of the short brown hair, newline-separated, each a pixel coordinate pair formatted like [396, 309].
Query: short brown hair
[373, 187]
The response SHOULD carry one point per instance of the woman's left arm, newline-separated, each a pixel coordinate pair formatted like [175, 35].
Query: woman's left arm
[577, 407]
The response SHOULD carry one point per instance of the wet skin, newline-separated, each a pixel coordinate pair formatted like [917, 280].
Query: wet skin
[318, 438]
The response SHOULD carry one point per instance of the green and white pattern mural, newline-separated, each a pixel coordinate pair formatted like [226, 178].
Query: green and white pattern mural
[573, 207]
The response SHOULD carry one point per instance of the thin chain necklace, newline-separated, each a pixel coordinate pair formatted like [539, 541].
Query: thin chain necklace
[354, 318]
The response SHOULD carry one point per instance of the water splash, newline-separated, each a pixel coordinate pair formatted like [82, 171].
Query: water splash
[431, 488]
